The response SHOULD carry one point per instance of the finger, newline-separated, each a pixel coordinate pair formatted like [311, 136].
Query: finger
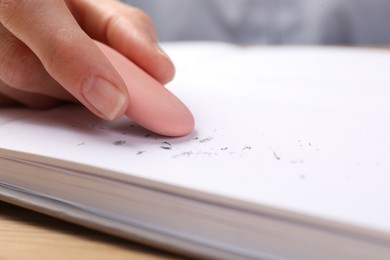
[21, 69]
[11, 96]
[126, 29]
[67, 53]
[6, 101]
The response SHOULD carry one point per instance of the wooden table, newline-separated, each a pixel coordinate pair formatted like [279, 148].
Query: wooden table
[25, 234]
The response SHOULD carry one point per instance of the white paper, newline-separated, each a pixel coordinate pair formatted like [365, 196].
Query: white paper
[302, 128]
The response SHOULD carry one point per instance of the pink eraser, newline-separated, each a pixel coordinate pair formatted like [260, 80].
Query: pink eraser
[151, 105]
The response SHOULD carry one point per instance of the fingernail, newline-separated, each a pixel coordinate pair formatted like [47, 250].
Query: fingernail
[103, 96]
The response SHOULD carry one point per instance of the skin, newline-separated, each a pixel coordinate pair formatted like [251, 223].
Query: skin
[47, 54]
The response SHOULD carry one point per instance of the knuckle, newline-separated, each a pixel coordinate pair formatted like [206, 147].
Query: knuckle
[62, 51]
[142, 17]
[142, 23]
[19, 67]
[9, 9]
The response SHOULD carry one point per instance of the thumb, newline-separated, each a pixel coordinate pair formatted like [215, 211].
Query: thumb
[68, 54]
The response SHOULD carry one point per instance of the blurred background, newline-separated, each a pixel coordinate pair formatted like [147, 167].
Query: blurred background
[336, 22]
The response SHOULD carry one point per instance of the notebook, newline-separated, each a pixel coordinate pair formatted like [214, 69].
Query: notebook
[289, 158]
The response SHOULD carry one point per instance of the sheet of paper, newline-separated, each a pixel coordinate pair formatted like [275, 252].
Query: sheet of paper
[300, 128]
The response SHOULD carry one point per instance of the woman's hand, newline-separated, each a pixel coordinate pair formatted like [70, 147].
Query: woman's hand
[47, 54]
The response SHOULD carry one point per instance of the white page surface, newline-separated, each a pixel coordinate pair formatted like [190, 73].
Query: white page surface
[304, 129]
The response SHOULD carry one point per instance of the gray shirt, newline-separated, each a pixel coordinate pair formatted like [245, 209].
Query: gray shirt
[271, 21]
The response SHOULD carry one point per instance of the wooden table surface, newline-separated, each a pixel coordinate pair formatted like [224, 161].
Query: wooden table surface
[25, 234]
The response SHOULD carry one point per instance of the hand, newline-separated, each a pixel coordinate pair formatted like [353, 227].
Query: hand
[47, 54]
